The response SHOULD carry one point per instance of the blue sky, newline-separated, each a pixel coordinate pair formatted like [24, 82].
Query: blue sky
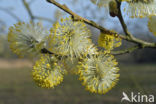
[39, 8]
[42, 8]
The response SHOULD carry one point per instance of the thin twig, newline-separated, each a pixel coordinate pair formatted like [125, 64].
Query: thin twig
[31, 2]
[44, 18]
[26, 5]
[122, 22]
[128, 50]
[10, 13]
[32, 17]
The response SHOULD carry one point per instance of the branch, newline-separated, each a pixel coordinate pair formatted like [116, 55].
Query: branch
[46, 51]
[128, 50]
[32, 17]
[129, 37]
[122, 22]
[10, 13]
[79, 18]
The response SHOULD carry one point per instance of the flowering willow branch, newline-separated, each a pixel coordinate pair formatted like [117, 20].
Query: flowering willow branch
[76, 17]
[129, 37]
[140, 43]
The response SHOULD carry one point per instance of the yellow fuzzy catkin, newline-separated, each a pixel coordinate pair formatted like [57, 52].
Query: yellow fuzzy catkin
[69, 38]
[27, 39]
[47, 72]
[152, 24]
[99, 73]
[109, 42]
[140, 8]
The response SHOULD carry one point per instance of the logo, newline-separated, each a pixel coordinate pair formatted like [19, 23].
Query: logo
[137, 98]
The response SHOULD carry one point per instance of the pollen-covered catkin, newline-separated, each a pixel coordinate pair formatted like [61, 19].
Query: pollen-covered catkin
[48, 72]
[152, 24]
[140, 8]
[27, 39]
[69, 38]
[109, 42]
[99, 73]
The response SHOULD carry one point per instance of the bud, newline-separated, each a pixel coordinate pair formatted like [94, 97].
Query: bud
[113, 8]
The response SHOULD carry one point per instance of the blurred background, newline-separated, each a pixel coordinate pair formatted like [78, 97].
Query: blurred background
[138, 69]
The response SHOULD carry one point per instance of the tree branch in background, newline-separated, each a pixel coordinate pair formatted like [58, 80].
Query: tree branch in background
[129, 37]
[31, 2]
[32, 17]
[128, 50]
[10, 13]
[44, 18]
[26, 5]
[46, 51]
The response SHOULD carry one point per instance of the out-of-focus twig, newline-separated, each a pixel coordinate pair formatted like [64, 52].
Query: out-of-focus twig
[44, 18]
[32, 17]
[10, 13]
[26, 5]
[127, 50]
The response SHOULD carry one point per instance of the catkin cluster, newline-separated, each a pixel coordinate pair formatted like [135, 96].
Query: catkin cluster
[68, 47]
[71, 51]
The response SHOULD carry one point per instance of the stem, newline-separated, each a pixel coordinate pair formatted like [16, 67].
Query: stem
[128, 50]
[129, 37]
[122, 22]
[46, 51]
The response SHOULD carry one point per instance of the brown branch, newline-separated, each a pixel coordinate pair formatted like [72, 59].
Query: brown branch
[45, 51]
[79, 18]
[122, 22]
[129, 37]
